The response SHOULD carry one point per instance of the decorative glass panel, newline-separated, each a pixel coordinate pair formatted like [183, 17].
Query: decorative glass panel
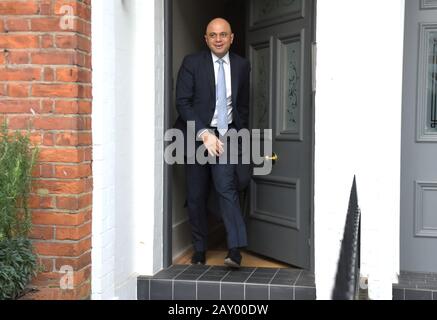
[291, 87]
[261, 91]
[270, 9]
[432, 83]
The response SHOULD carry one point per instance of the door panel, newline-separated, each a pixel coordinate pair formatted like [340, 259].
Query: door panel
[271, 209]
[263, 13]
[279, 45]
[260, 59]
[419, 139]
[290, 88]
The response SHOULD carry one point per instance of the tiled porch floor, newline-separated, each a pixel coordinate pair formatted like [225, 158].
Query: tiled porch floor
[188, 282]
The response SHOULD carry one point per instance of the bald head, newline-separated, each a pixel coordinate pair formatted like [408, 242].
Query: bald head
[218, 22]
[219, 36]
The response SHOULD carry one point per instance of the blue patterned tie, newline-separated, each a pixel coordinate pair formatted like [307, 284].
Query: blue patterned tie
[222, 101]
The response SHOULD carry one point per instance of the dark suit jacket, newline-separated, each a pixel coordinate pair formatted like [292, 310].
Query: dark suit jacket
[196, 93]
[196, 98]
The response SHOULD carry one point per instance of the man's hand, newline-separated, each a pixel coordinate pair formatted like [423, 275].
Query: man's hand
[212, 144]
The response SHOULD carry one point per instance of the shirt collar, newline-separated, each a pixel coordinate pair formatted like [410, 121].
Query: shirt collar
[225, 58]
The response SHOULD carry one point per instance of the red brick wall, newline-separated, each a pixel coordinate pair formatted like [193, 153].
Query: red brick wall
[45, 84]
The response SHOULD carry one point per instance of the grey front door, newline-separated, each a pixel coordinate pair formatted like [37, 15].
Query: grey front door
[280, 34]
[419, 139]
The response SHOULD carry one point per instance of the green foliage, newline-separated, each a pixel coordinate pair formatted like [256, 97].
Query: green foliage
[17, 157]
[17, 266]
[17, 260]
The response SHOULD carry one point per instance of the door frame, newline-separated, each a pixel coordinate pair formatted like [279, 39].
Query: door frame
[168, 170]
[167, 225]
[313, 36]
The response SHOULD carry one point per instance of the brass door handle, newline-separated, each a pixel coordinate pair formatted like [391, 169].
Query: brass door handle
[273, 158]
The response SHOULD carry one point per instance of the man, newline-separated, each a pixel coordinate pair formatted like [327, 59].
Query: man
[213, 92]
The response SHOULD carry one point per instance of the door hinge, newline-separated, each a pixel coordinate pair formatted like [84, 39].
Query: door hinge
[309, 242]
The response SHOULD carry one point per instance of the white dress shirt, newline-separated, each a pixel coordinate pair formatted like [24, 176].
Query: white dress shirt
[227, 67]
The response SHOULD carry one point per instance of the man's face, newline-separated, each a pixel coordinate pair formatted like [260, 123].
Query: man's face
[219, 37]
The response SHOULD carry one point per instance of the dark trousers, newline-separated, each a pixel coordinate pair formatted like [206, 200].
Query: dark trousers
[223, 176]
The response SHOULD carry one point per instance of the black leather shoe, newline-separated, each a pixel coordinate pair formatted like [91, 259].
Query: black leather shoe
[233, 259]
[198, 257]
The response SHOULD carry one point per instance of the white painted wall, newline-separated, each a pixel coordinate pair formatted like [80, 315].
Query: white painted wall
[358, 131]
[127, 143]
[103, 126]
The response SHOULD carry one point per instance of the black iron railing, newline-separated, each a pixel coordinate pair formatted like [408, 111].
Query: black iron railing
[348, 271]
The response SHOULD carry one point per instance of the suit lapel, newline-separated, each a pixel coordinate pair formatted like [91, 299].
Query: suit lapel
[209, 67]
[234, 80]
